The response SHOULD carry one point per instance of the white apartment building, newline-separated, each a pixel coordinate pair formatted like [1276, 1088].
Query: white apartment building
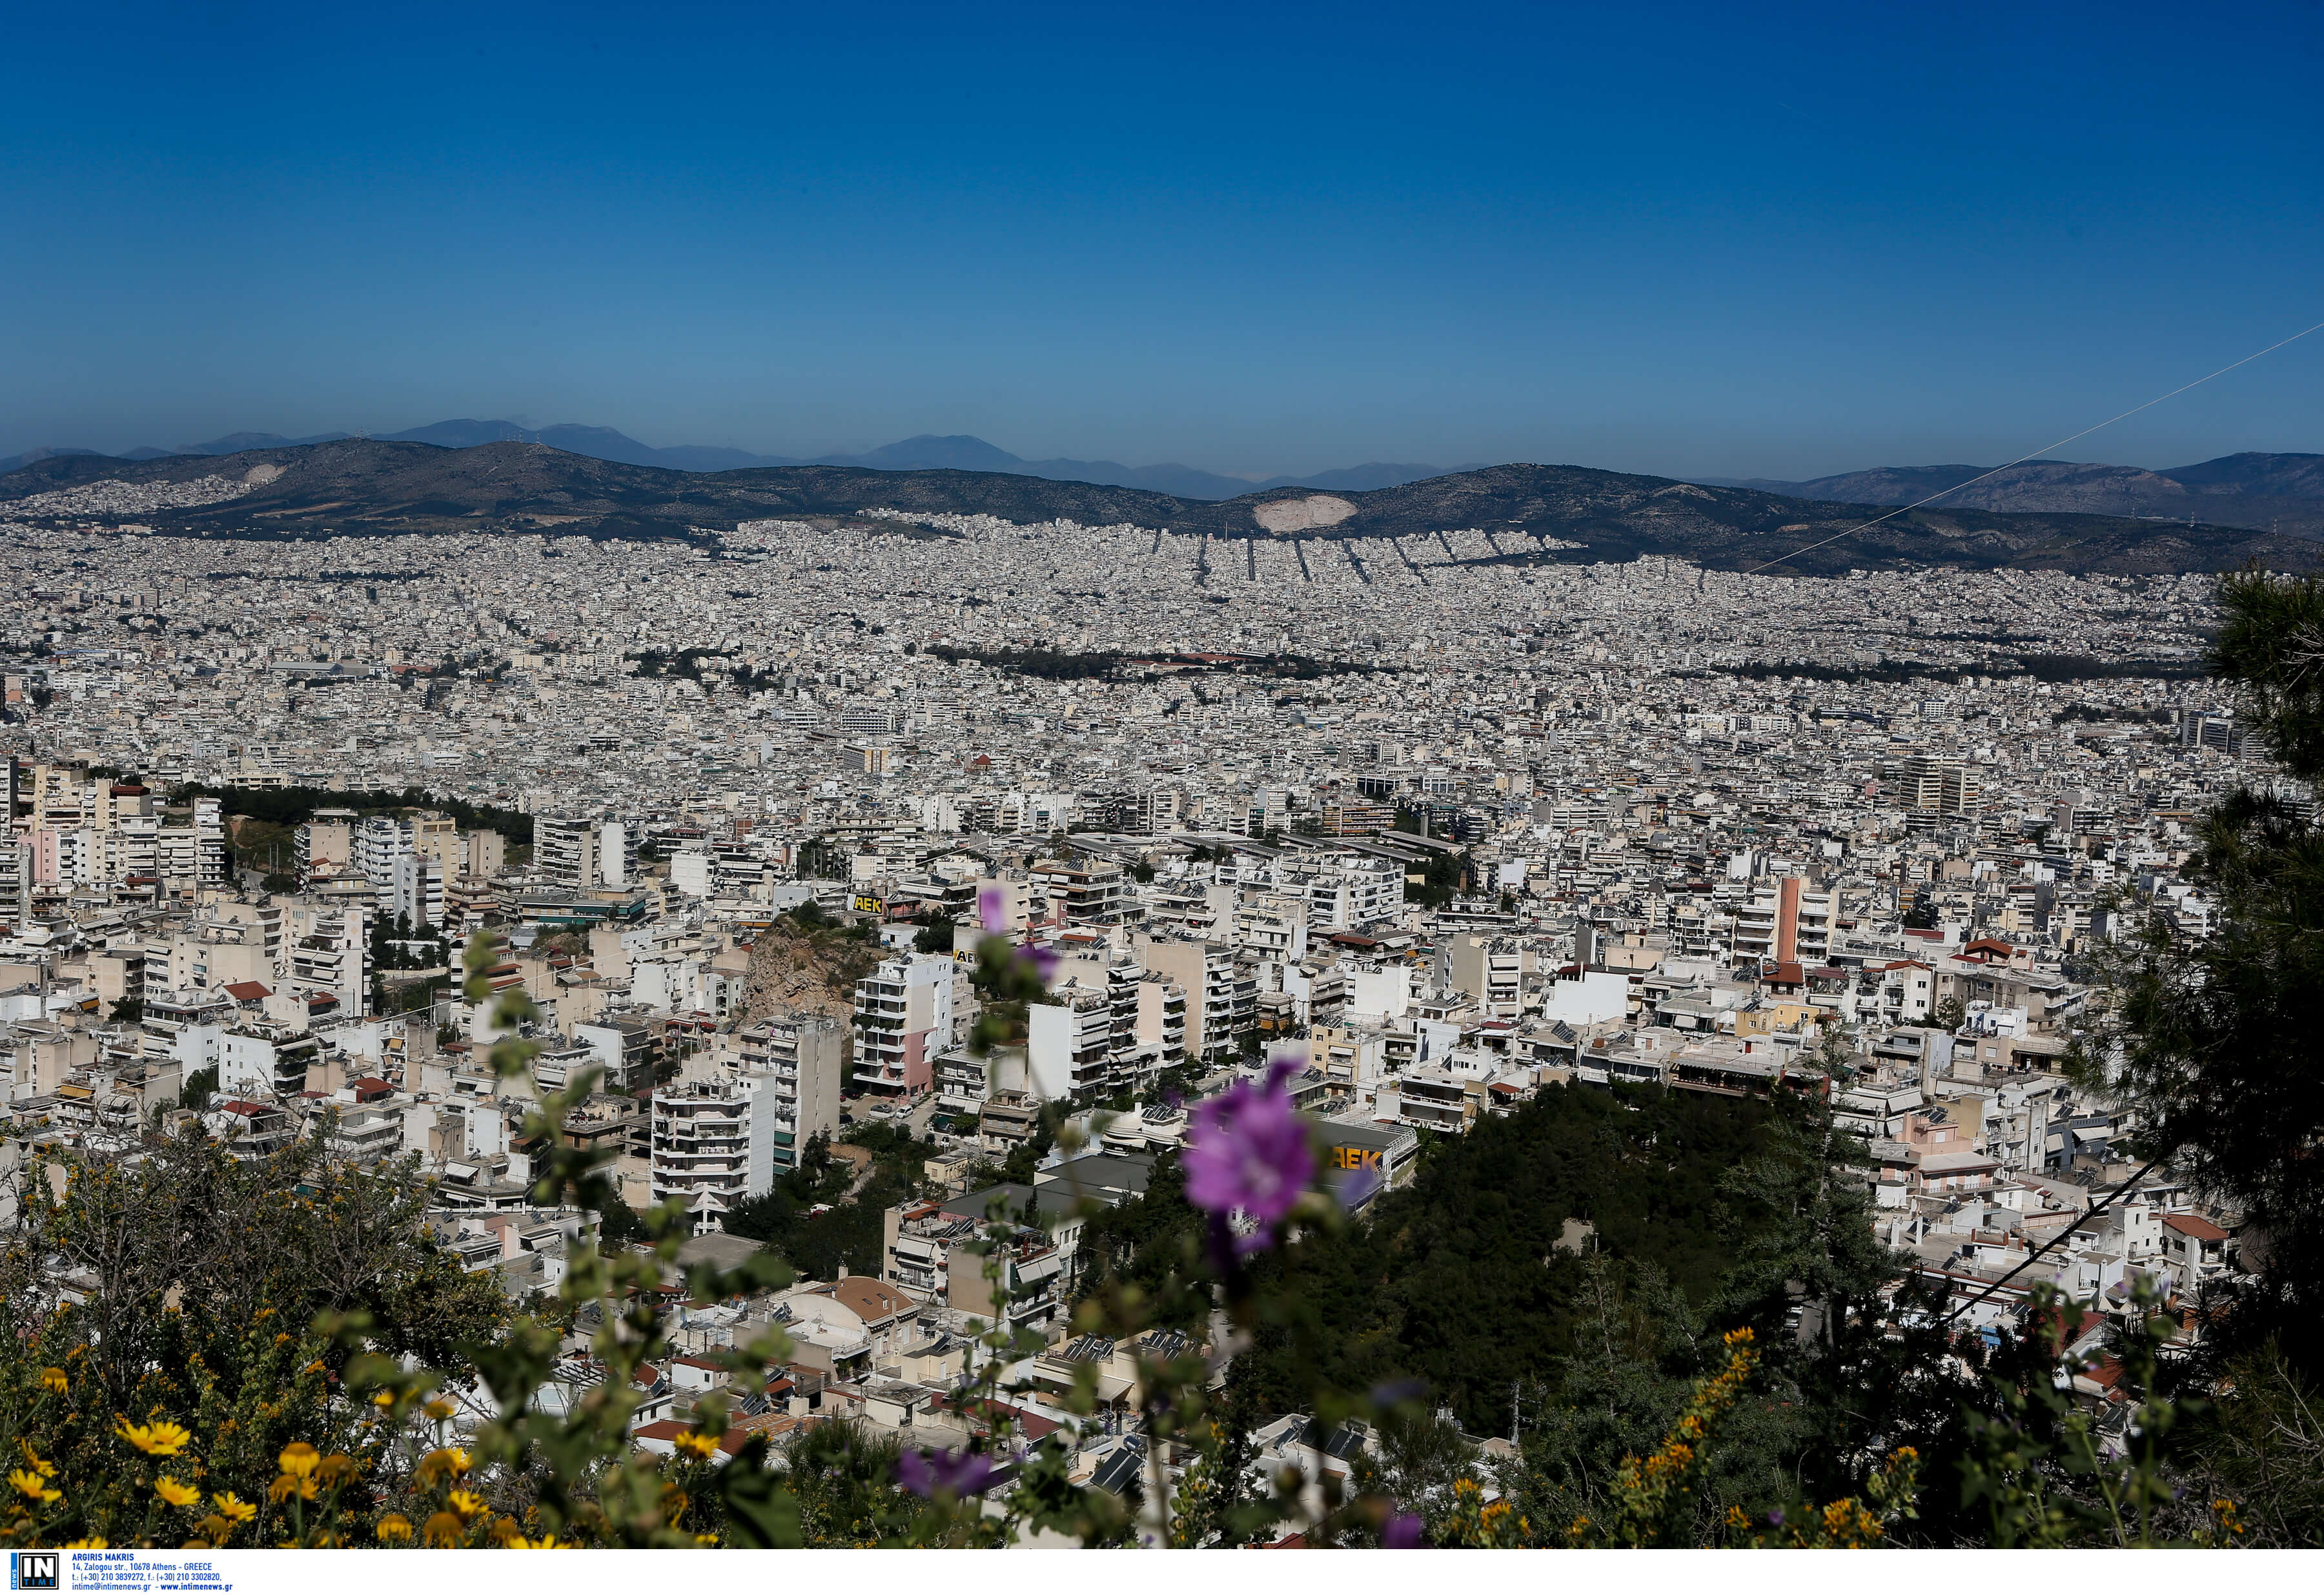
[1931, 782]
[903, 1018]
[327, 947]
[1222, 997]
[714, 1145]
[1069, 1044]
[799, 1061]
[1785, 922]
[568, 852]
[261, 1061]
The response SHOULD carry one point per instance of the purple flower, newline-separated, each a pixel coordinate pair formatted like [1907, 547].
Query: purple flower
[992, 908]
[932, 1473]
[1395, 1392]
[1775, 1516]
[1356, 1186]
[1043, 959]
[1248, 1152]
[1402, 1532]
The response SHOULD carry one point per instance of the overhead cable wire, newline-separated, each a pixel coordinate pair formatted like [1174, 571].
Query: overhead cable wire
[2037, 454]
[2032, 1257]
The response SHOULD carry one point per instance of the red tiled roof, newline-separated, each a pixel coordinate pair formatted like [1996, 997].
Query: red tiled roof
[248, 992]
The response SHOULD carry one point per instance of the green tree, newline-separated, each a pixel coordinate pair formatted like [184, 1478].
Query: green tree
[2216, 1039]
[181, 1316]
[199, 1088]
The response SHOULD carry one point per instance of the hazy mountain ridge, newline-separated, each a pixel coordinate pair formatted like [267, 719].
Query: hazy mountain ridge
[927, 452]
[2282, 492]
[377, 486]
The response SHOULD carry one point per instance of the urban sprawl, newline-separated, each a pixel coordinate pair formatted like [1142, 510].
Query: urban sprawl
[1455, 823]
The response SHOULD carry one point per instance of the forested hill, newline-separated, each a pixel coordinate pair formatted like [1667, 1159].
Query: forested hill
[1460, 1279]
[1567, 513]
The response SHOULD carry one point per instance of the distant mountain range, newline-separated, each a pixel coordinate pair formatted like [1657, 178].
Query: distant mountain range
[1530, 514]
[2278, 493]
[2273, 492]
[924, 453]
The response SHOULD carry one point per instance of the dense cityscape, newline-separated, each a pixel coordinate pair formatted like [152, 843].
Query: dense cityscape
[1453, 824]
[1513, 778]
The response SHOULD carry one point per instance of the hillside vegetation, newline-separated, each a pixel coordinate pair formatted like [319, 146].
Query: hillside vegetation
[1565, 513]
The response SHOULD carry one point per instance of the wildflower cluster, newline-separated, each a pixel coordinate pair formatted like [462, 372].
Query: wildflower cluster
[1655, 1495]
[1849, 1524]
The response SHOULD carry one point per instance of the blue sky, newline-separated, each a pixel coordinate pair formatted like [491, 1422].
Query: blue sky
[1676, 239]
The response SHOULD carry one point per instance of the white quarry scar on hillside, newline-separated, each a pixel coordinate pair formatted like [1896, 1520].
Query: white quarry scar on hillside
[1302, 514]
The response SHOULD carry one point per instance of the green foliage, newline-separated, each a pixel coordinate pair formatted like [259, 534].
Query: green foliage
[685, 662]
[842, 1475]
[2216, 1039]
[1443, 877]
[199, 1088]
[1049, 665]
[1865, 1360]
[620, 1224]
[182, 1318]
[2260, 1450]
[285, 807]
[2041, 667]
[814, 1243]
[2042, 1469]
[1458, 1279]
[818, 860]
[1422, 1460]
[1007, 979]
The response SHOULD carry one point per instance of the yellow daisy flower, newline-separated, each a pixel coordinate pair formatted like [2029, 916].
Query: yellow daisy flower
[159, 1438]
[176, 1493]
[32, 1484]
